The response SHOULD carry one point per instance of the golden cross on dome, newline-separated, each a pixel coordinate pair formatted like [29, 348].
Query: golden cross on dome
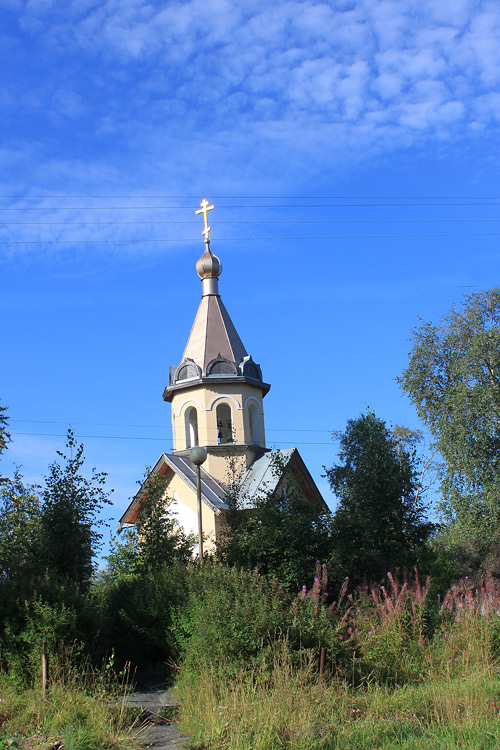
[203, 210]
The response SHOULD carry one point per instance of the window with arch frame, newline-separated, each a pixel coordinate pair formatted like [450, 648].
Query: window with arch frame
[254, 420]
[191, 422]
[224, 418]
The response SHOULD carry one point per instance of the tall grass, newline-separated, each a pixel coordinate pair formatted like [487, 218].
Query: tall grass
[405, 671]
[287, 706]
[78, 710]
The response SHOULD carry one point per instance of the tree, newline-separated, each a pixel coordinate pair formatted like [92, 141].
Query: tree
[380, 522]
[4, 434]
[282, 534]
[453, 379]
[19, 531]
[69, 520]
[157, 541]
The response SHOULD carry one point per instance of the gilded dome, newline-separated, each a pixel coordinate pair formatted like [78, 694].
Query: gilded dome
[209, 266]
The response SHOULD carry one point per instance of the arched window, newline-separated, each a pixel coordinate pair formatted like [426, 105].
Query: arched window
[191, 417]
[253, 416]
[224, 424]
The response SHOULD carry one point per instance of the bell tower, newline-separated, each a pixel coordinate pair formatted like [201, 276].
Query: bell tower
[216, 392]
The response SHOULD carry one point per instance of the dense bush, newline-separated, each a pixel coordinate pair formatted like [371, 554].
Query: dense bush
[229, 615]
[136, 616]
[405, 669]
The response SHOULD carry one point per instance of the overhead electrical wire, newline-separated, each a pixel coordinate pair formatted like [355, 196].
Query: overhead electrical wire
[146, 426]
[263, 197]
[160, 439]
[264, 221]
[334, 433]
[255, 239]
[450, 201]
[250, 205]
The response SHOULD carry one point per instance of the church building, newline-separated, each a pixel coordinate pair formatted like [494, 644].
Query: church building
[216, 395]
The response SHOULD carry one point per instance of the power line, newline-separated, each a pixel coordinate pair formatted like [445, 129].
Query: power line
[264, 221]
[257, 239]
[149, 426]
[333, 432]
[265, 197]
[127, 437]
[251, 205]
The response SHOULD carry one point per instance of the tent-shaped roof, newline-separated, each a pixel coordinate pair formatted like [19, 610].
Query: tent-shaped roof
[213, 333]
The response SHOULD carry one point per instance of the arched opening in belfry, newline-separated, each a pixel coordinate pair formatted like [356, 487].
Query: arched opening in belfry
[191, 427]
[254, 419]
[224, 424]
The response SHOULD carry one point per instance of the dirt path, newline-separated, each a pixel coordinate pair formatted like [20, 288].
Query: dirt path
[157, 731]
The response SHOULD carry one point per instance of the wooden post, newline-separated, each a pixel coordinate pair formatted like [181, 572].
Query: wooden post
[45, 672]
[322, 663]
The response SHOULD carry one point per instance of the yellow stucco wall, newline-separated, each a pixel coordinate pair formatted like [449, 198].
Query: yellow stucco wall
[239, 396]
[177, 488]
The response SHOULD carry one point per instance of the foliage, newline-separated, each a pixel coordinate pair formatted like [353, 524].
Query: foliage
[423, 673]
[318, 623]
[69, 538]
[122, 562]
[137, 614]
[380, 522]
[156, 540]
[144, 581]
[453, 379]
[76, 712]
[4, 434]
[228, 614]
[161, 541]
[390, 631]
[281, 534]
[47, 541]
[19, 531]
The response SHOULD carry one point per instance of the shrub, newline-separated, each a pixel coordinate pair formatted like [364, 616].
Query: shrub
[229, 614]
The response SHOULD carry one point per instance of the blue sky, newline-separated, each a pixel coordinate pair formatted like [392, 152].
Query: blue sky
[352, 153]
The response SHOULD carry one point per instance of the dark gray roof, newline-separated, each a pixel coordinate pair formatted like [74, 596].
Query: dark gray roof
[212, 493]
[262, 477]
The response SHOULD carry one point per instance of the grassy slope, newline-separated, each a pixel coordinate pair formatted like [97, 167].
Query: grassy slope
[78, 711]
[288, 708]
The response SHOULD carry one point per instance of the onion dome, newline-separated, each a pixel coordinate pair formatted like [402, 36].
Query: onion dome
[209, 265]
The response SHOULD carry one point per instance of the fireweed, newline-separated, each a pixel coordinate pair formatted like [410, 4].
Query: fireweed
[405, 669]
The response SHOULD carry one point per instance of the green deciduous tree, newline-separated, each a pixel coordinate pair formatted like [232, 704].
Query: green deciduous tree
[69, 520]
[281, 534]
[4, 434]
[19, 531]
[380, 522]
[144, 577]
[453, 379]
[161, 541]
[157, 540]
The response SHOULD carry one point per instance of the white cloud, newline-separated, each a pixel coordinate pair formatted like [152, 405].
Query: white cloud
[259, 80]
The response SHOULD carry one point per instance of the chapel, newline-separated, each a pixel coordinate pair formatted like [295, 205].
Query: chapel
[216, 394]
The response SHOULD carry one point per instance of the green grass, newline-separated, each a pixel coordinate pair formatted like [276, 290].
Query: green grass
[78, 709]
[407, 671]
[288, 708]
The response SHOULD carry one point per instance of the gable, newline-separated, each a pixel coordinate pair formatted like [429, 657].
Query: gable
[178, 467]
[272, 470]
